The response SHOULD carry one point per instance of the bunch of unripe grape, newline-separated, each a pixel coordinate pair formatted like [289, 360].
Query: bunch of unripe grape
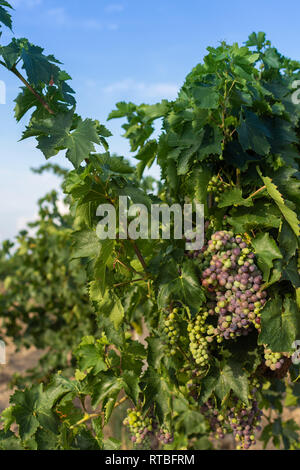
[217, 186]
[235, 280]
[274, 360]
[199, 338]
[171, 330]
[240, 419]
[142, 428]
[215, 418]
[139, 426]
[165, 436]
[244, 421]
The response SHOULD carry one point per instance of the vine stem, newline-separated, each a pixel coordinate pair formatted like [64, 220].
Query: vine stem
[256, 192]
[139, 254]
[88, 416]
[30, 88]
[129, 268]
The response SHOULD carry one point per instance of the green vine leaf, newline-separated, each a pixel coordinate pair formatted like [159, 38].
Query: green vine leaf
[86, 245]
[39, 68]
[33, 409]
[266, 251]
[55, 133]
[5, 17]
[253, 134]
[288, 214]
[183, 286]
[233, 377]
[280, 324]
[233, 197]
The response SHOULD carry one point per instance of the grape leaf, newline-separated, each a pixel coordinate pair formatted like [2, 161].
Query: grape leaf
[5, 17]
[253, 134]
[131, 385]
[262, 215]
[158, 390]
[184, 286]
[288, 214]
[266, 251]
[24, 101]
[11, 52]
[9, 441]
[288, 242]
[90, 354]
[86, 244]
[206, 97]
[232, 377]
[33, 409]
[54, 134]
[81, 141]
[232, 197]
[280, 324]
[39, 68]
[107, 386]
[109, 304]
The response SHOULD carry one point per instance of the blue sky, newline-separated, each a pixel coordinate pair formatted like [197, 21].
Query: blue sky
[121, 50]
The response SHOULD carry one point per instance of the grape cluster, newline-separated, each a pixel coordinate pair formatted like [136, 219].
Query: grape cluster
[244, 421]
[237, 418]
[171, 329]
[217, 185]
[236, 282]
[139, 426]
[199, 338]
[143, 429]
[274, 360]
[215, 418]
[165, 436]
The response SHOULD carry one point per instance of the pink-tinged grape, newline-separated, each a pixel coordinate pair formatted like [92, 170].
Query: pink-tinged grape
[238, 418]
[165, 436]
[274, 360]
[233, 277]
[139, 426]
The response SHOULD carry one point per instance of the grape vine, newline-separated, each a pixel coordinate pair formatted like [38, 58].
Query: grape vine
[195, 345]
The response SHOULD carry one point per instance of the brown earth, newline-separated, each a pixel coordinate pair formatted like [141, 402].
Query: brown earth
[16, 362]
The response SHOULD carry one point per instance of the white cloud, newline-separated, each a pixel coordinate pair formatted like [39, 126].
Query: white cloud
[22, 224]
[148, 90]
[91, 24]
[63, 209]
[114, 8]
[23, 221]
[60, 17]
[25, 3]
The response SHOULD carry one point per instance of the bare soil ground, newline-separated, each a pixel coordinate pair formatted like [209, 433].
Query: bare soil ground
[15, 363]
